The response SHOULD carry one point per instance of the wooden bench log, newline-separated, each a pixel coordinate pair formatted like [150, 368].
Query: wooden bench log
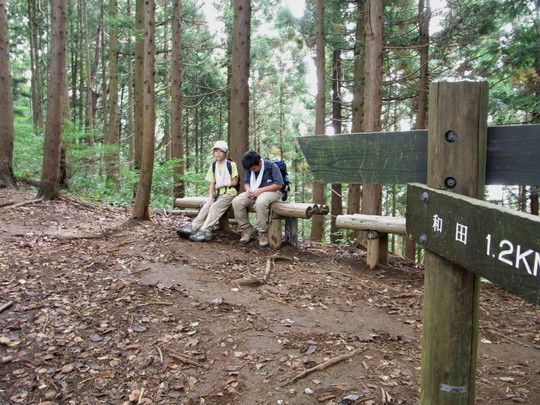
[282, 209]
[378, 228]
[290, 212]
[190, 202]
[379, 223]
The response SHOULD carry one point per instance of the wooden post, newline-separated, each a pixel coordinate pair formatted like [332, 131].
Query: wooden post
[224, 222]
[274, 233]
[291, 231]
[457, 137]
[377, 249]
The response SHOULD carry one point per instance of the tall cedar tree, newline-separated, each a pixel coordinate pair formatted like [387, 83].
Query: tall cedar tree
[372, 193]
[35, 62]
[424, 17]
[317, 227]
[177, 137]
[353, 203]
[112, 137]
[7, 178]
[337, 118]
[142, 199]
[138, 86]
[239, 96]
[50, 174]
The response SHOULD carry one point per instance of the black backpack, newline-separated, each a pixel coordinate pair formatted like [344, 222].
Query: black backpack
[229, 168]
[286, 186]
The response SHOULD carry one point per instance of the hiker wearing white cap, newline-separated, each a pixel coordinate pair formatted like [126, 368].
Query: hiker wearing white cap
[222, 176]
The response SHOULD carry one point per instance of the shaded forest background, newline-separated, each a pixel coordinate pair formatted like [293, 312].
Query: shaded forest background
[124, 59]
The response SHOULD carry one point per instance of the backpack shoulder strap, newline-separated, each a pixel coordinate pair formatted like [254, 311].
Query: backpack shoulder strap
[229, 166]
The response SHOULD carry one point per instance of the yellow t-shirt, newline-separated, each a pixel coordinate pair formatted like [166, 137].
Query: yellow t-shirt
[211, 176]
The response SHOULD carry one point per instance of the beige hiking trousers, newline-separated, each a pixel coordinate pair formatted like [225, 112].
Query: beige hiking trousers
[262, 208]
[210, 213]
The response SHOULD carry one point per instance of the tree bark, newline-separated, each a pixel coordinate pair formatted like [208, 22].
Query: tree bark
[353, 203]
[36, 84]
[112, 137]
[50, 174]
[239, 97]
[372, 193]
[129, 109]
[534, 191]
[91, 96]
[142, 199]
[337, 200]
[177, 137]
[424, 16]
[317, 223]
[7, 131]
[139, 60]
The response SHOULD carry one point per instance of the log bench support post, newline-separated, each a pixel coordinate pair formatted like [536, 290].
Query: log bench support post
[274, 233]
[378, 227]
[377, 248]
[224, 222]
[291, 231]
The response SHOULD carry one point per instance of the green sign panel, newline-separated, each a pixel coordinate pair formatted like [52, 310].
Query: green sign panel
[381, 157]
[401, 157]
[497, 243]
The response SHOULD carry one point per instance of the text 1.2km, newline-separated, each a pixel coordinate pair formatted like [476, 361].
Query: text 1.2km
[514, 255]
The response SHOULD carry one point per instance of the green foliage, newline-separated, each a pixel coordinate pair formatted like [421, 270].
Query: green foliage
[28, 151]
[496, 40]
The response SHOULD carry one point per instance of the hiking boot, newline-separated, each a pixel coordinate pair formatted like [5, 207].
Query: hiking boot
[247, 235]
[263, 240]
[186, 231]
[201, 236]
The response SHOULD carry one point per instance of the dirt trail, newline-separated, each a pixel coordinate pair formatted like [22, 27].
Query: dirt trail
[110, 311]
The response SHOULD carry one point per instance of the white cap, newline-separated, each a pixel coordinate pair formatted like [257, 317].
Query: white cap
[221, 145]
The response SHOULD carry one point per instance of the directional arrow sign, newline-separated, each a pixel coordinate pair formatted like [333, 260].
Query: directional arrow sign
[497, 243]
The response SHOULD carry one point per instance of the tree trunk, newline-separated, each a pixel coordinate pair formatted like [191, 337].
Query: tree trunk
[112, 137]
[534, 191]
[50, 174]
[337, 200]
[65, 173]
[7, 131]
[424, 16]
[177, 137]
[142, 199]
[129, 109]
[139, 59]
[81, 68]
[90, 117]
[353, 203]
[101, 51]
[372, 193]
[317, 223]
[36, 84]
[239, 97]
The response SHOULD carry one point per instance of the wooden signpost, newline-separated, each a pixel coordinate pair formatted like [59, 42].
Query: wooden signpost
[497, 243]
[464, 237]
[401, 157]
